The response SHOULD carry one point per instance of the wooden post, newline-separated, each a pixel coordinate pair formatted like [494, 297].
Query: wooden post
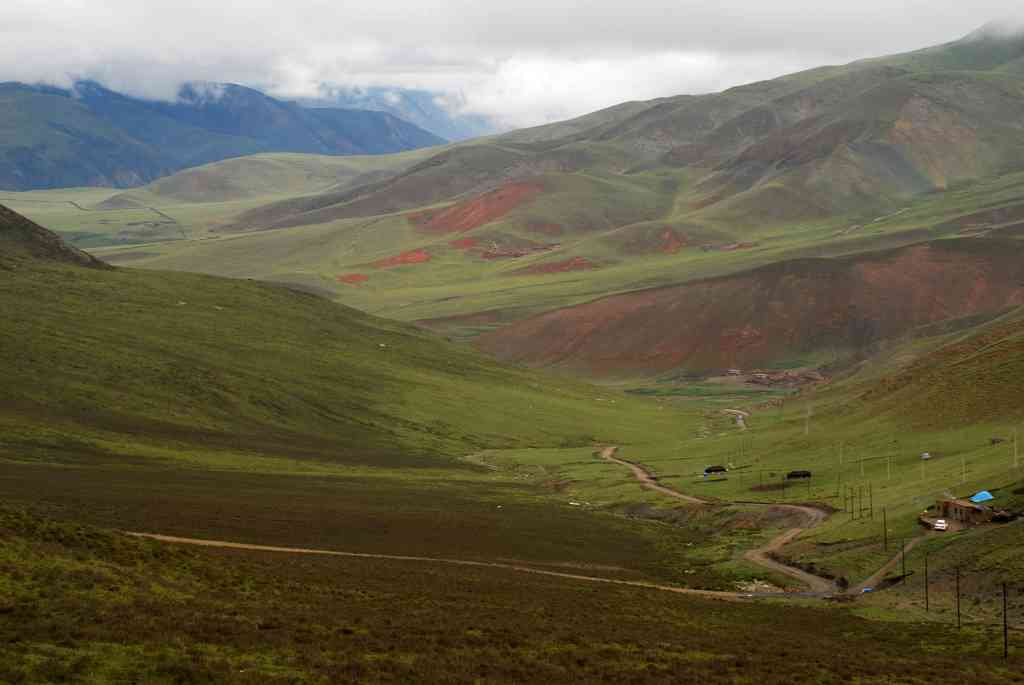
[958, 598]
[926, 603]
[903, 560]
[885, 532]
[1006, 631]
[871, 501]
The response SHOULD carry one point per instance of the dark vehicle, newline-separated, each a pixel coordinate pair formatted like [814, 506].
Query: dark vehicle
[714, 469]
[797, 475]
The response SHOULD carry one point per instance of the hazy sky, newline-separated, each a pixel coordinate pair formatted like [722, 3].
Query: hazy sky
[522, 61]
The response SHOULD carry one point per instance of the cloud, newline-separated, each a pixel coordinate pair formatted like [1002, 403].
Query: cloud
[523, 62]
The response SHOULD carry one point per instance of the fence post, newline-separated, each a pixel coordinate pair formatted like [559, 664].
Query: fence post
[927, 606]
[958, 598]
[1006, 631]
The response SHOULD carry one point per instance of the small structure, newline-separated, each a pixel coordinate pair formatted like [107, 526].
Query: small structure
[734, 372]
[797, 475]
[965, 511]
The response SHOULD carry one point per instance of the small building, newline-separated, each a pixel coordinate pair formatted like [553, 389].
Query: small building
[964, 511]
[797, 475]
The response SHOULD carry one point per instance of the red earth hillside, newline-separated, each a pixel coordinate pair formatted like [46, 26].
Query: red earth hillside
[352, 279]
[566, 265]
[464, 243]
[778, 312]
[410, 257]
[481, 210]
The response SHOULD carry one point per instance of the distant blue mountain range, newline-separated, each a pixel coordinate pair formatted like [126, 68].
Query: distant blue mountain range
[89, 135]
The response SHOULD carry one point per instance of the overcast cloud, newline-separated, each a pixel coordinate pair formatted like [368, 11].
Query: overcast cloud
[524, 62]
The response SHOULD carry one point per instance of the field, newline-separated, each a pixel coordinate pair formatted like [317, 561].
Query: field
[134, 610]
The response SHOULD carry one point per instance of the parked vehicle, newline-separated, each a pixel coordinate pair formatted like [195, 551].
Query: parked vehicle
[941, 525]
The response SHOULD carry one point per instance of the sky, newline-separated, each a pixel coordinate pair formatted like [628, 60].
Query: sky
[522, 63]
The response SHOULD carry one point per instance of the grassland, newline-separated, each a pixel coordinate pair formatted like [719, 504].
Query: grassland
[85, 605]
[194, 405]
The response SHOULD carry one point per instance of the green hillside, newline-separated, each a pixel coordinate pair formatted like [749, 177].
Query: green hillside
[242, 410]
[253, 413]
[827, 163]
[243, 617]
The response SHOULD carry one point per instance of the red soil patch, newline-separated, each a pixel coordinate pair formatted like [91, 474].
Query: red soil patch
[481, 210]
[353, 278]
[775, 312]
[516, 252]
[671, 242]
[410, 257]
[574, 264]
[464, 243]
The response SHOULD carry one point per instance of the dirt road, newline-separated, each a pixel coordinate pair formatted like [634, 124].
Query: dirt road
[881, 573]
[760, 556]
[219, 544]
[646, 479]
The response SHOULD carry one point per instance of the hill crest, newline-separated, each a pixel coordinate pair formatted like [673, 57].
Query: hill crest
[20, 235]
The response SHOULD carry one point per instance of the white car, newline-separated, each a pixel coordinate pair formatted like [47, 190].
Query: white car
[941, 525]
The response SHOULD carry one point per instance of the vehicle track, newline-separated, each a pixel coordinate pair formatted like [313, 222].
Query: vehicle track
[220, 544]
[762, 556]
[817, 586]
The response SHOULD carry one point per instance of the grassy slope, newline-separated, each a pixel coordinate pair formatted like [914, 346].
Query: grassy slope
[241, 410]
[193, 204]
[127, 610]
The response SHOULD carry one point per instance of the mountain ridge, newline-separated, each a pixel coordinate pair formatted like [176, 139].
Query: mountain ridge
[90, 135]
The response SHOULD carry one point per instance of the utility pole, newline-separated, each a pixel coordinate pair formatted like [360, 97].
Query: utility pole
[888, 467]
[862, 466]
[860, 501]
[885, 531]
[1016, 456]
[871, 501]
[963, 468]
[1006, 631]
[903, 561]
[926, 603]
[807, 420]
[958, 598]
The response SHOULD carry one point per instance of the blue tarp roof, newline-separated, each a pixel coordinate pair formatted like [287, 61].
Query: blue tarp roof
[983, 496]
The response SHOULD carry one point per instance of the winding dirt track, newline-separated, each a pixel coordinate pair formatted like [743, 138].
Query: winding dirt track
[760, 556]
[712, 594]
[889, 566]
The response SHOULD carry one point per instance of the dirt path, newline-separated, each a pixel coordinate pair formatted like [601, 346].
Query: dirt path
[760, 556]
[646, 479]
[881, 573]
[219, 544]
